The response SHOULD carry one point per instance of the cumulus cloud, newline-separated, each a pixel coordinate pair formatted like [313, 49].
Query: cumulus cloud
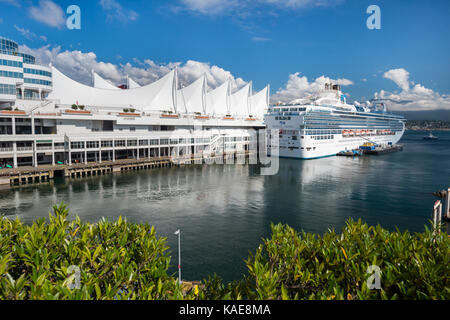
[299, 87]
[399, 76]
[78, 66]
[115, 11]
[412, 97]
[49, 13]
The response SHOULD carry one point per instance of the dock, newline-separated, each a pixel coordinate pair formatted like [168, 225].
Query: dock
[384, 149]
[46, 173]
[371, 151]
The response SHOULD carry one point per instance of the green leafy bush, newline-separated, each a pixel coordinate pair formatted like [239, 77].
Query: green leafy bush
[118, 260]
[294, 265]
[121, 260]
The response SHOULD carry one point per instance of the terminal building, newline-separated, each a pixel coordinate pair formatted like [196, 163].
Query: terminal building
[46, 118]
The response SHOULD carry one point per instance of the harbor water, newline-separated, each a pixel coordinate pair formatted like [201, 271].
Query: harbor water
[224, 211]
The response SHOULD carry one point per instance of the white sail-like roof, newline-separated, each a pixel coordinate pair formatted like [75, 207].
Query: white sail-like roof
[192, 98]
[240, 104]
[101, 83]
[157, 96]
[259, 103]
[218, 100]
[131, 84]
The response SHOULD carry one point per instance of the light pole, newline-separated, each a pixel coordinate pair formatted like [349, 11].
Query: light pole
[178, 233]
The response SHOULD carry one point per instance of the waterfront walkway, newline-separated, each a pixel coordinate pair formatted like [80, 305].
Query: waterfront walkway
[44, 173]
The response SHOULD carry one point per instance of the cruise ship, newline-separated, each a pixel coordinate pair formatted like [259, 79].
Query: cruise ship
[325, 125]
[47, 118]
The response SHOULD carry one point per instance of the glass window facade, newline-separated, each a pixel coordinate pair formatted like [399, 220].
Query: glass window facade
[37, 72]
[38, 81]
[10, 74]
[8, 46]
[10, 63]
[27, 58]
[7, 89]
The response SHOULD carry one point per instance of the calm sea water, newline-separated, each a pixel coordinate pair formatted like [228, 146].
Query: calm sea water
[225, 211]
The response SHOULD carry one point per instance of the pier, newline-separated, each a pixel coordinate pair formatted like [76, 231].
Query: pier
[46, 173]
[371, 151]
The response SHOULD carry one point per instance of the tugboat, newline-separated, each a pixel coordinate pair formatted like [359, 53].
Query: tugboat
[430, 137]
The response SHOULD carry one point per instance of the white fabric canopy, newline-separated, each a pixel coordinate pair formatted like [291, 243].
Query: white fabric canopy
[157, 96]
[218, 100]
[101, 83]
[240, 101]
[132, 84]
[192, 98]
[259, 103]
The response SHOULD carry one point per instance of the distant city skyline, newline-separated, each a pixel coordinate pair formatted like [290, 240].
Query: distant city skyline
[295, 46]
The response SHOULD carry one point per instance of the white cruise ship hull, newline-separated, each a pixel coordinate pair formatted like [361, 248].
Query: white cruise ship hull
[311, 149]
[311, 132]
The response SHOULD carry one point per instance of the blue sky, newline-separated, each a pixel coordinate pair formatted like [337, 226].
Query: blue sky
[267, 41]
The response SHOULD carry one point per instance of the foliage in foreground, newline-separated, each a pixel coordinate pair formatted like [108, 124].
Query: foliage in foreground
[294, 265]
[121, 260]
[118, 260]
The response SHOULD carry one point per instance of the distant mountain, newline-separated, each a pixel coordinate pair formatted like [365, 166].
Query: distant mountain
[427, 125]
[425, 115]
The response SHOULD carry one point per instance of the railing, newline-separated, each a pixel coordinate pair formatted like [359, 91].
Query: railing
[6, 149]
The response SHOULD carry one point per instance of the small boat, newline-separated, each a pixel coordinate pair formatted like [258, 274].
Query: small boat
[430, 137]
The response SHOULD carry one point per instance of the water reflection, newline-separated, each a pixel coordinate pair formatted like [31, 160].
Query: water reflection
[224, 211]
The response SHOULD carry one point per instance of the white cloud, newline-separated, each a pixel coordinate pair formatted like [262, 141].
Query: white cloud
[48, 13]
[78, 66]
[399, 76]
[215, 7]
[115, 11]
[412, 97]
[210, 7]
[15, 3]
[25, 32]
[29, 34]
[300, 4]
[299, 87]
[260, 39]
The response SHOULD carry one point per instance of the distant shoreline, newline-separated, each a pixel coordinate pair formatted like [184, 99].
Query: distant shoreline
[428, 129]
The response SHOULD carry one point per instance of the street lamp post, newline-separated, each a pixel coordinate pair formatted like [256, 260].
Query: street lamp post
[178, 233]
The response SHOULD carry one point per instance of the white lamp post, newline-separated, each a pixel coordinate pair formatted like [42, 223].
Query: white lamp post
[178, 233]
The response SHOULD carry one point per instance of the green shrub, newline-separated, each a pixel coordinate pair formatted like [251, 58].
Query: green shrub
[118, 260]
[74, 107]
[294, 265]
[121, 260]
